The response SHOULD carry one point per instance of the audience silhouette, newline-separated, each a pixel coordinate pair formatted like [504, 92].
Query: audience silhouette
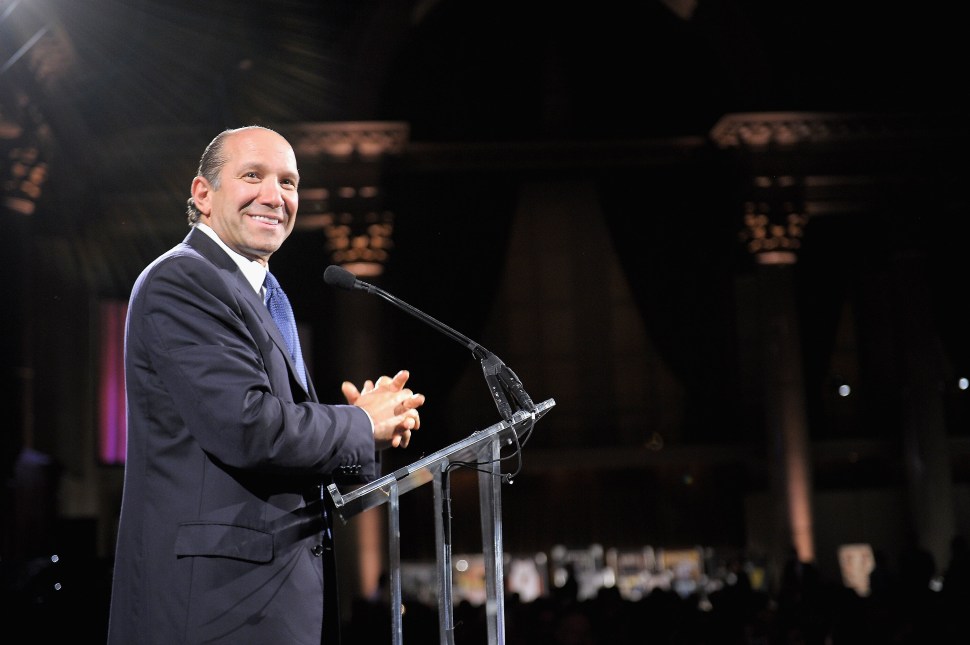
[804, 608]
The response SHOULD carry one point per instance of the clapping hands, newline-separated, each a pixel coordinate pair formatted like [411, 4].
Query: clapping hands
[392, 407]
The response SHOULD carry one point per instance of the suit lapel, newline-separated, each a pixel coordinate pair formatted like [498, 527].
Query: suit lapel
[211, 251]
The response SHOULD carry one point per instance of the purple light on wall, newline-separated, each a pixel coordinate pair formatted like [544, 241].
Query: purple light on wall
[112, 432]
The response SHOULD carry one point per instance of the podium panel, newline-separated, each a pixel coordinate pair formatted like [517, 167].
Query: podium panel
[482, 447]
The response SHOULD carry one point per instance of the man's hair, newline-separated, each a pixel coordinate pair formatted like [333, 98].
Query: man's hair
[211, 163]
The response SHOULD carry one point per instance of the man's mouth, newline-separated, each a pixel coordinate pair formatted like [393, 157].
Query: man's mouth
[266, 219]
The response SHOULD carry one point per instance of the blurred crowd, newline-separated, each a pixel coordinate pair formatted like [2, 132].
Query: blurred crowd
[909, 603]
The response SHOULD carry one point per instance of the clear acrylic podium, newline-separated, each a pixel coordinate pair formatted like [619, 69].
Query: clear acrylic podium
[483, 448]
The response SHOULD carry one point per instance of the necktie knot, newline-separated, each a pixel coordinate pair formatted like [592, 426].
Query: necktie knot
[282, 313]
[270, 283]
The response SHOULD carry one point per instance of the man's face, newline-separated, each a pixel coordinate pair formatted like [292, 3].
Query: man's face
[254, 208]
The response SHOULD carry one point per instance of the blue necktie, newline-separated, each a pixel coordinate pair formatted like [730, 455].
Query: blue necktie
[282, 313]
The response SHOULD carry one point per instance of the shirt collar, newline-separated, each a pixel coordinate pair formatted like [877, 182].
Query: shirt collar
[254, 271]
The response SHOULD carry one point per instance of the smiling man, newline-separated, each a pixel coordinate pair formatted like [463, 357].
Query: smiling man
[248, 193]
[224, 535]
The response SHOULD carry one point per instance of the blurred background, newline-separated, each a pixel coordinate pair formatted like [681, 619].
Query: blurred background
[726, 237]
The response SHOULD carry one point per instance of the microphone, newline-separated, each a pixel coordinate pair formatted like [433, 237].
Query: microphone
[340, 277]
[501, 380]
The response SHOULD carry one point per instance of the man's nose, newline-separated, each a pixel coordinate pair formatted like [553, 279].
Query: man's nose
[270, 194]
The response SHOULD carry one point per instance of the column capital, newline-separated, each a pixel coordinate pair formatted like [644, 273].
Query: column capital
[24, 139]
[341, 190]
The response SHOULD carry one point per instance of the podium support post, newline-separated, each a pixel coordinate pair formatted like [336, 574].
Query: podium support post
[490, 504]
[446, 619]
[394, 563]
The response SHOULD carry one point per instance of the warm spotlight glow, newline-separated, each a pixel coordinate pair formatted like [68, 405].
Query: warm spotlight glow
[365, 269]
[370, 528]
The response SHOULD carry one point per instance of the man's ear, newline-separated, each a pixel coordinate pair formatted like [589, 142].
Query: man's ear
[201, 195]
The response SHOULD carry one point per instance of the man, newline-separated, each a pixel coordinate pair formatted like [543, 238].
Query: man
[223, 535]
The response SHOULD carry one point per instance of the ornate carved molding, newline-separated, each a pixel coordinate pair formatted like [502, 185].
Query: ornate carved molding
[758, 130]
[366, 140]
[341, 190]
[801, 164]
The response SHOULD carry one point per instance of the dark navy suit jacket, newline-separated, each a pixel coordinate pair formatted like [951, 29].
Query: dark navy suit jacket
[221, 536]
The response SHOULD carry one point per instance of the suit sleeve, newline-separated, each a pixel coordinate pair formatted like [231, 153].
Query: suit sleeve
[212, 357]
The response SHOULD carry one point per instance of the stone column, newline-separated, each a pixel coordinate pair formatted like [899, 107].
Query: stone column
[774, 223]
[774, 219]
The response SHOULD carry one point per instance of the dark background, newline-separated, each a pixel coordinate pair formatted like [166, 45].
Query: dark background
[121, 97]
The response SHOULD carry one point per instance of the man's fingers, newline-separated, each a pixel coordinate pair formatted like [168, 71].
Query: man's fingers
[402, 434]
[350, 391]
[411, 401]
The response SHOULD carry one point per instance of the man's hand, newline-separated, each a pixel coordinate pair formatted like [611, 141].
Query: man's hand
[392, 407]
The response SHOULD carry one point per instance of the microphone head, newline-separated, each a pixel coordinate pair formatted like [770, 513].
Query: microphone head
[337, 276]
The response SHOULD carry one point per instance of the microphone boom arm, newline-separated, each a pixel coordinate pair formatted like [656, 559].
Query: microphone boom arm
[502, 382]
[477, 350]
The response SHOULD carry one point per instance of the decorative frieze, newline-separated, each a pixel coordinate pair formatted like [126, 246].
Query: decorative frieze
[341, 191]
